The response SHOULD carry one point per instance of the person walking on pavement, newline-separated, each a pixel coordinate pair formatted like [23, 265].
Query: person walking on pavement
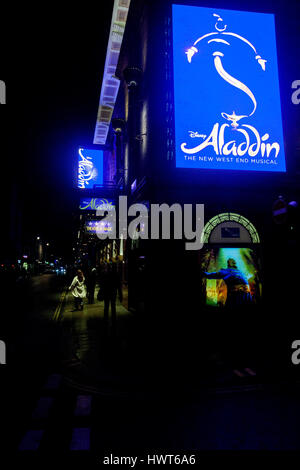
[110, 287]
[78, 289]
[91, 284]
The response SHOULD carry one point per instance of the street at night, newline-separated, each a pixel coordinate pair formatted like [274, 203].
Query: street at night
[149, 264]
[82, 392]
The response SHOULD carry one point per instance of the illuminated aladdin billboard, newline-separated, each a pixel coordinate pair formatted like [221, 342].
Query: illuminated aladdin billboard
[97, 226]
[226, 90]
[90, 168]
[94, 204]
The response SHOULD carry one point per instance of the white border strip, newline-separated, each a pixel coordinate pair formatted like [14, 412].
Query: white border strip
[110, 83]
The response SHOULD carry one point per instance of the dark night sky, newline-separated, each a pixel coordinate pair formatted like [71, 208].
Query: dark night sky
[53, 68]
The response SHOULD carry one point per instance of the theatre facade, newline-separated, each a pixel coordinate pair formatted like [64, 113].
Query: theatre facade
[196, 107]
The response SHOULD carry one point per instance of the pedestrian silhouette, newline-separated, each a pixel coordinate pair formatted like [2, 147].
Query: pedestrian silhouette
[91, 284]
[110, 284]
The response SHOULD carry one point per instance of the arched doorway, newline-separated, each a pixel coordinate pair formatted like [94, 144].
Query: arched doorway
[230, 228]
[230, 240]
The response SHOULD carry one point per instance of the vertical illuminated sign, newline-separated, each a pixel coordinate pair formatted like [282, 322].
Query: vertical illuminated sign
[90, 168]
[227, 100]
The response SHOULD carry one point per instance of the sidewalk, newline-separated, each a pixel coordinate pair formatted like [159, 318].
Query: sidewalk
[93, 361]
[139, 360]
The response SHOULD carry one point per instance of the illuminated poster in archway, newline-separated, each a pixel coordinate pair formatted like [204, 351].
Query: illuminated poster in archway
[230, 262]
[231, 276]
[226, 90]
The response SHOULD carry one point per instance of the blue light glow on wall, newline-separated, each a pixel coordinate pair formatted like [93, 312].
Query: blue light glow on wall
[94, 204]
[227, 100]
[90, 168]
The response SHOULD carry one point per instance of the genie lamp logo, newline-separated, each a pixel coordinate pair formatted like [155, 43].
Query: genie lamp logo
[219, 37]
[226, 90]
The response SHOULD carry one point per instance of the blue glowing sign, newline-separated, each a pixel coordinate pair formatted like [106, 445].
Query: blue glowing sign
[90, 168]
[94, 204]
[227, 101]
[98, 226]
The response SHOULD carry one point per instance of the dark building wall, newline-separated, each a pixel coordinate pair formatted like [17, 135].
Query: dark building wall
[109, 166]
